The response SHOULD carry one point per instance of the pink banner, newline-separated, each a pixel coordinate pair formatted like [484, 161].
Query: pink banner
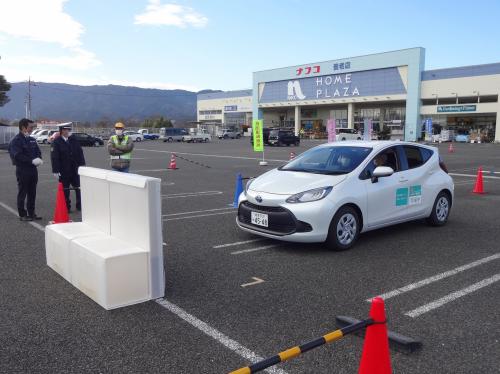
[331, 128]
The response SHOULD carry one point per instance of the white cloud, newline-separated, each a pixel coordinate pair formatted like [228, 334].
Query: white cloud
[159, 14]
[80, 59]
[39, 20]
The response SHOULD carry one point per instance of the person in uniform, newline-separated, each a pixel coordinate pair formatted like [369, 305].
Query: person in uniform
[120, 148]
[27, 157]
[67, 156]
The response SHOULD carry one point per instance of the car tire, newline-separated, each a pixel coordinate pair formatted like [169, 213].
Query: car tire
[344, 229]
[440, 210]
[44, 141]
[343, 139]
[297, 143]
[358, 138]
[139, 139]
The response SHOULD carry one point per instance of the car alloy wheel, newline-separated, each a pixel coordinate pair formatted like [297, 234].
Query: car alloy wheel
[344, 229]
[442, 209]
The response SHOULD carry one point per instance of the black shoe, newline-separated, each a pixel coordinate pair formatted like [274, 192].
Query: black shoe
[34, 217]
[25, 219]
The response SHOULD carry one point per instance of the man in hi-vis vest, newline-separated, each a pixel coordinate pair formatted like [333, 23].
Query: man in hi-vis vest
[120, 148]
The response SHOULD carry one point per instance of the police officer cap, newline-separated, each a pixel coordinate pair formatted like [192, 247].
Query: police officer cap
[64, 127]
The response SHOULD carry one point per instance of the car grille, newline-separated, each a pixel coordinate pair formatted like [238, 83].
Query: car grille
[281, 220]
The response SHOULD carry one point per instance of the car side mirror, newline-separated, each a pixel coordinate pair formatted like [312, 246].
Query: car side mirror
[380, 172]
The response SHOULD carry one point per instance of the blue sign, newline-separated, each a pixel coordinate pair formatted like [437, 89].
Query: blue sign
[231, 108]
[455, 108]
[428, 126]
[386, 81]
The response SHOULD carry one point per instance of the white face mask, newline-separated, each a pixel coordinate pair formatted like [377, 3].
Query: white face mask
[119, 132]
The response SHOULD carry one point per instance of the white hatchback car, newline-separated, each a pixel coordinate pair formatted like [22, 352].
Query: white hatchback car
[336, 191]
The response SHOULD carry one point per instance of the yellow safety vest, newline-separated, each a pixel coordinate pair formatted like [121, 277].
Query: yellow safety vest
[125, 156]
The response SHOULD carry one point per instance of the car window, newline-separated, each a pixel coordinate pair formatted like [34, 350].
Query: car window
[413, 156]
[387, 157]
[426, 154]
[329, 160]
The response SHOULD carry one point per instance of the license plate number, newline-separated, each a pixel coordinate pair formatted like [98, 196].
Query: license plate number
[259, 219]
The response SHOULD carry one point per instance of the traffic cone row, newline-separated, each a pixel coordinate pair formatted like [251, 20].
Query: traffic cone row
[61, 210]
[173, 162]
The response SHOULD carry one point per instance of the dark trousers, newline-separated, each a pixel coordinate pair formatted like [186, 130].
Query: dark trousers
[26, 183]
[72, 180]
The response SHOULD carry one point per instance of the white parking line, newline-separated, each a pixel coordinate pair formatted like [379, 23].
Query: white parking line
[237, 243]
[206, 155]
[254, 249]
[193, 321]
[191, 194]
[34, 224]
[196, 216]
[452, 296]
[216, 335]
[435, 278]
[256, 281]
[473, 175]
[196, 211]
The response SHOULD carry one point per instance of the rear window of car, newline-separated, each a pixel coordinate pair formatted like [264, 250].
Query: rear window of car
[414, 157]
[426, 154]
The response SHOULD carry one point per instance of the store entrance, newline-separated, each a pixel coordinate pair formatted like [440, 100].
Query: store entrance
[476, 128]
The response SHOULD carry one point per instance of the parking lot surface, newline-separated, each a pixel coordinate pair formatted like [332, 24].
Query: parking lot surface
[232, 297]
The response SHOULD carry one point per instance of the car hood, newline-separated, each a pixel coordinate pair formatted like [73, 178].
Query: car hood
[292, 182]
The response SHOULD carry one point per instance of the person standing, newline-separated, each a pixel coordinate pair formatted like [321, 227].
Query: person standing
[67, 156]
[120, 148]
[27, 157]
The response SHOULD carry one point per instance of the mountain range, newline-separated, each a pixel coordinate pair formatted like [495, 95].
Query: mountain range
[65, 102]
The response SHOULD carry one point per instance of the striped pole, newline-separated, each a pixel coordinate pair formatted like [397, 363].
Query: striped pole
[298, 350]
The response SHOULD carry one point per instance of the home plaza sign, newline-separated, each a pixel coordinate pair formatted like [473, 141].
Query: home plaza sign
[356, 84]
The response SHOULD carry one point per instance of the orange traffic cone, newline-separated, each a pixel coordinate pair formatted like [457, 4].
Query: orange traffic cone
[173, 163]
[478, 186]
[292, 156]
[451, 149]
[376, 358]
[61, 211]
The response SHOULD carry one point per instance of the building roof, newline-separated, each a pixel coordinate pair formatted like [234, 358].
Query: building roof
[224, 95]
[461, 72]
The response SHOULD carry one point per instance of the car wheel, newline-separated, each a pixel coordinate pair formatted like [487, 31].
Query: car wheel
[96, 144]
[297, 143]
[139, 139]
[44, 141]
[440, 210]
[344, 229]
[170, 140]
[358, 138]
[343, 139]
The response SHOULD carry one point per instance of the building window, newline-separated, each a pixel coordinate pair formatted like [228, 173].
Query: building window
[209, 112]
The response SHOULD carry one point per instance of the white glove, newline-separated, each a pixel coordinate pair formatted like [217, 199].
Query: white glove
[57, 175]
[37, 161]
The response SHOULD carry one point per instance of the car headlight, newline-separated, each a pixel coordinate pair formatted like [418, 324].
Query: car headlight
[247, 186]
[308, 196]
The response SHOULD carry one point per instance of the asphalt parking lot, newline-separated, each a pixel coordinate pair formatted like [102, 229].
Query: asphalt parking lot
[231, 296]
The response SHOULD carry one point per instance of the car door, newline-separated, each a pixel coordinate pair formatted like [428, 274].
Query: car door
[386, 199]
[417, 172]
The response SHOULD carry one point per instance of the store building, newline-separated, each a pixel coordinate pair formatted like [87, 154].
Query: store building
[391, 89]
[231, 109]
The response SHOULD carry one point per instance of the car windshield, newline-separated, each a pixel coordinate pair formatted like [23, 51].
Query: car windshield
[329, 160]
[274, 133]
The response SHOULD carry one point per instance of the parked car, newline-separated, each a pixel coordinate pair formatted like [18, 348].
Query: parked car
[335, 191]
[462, 138]
[197, 138]
[43, 136]
[136, 137]
[228, 134]
[283, 137]
[170, 134]
[348, 134]
[151, 136]
[87, 140]
[265, 135]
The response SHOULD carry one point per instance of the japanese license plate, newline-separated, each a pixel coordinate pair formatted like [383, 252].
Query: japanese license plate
[259, 219]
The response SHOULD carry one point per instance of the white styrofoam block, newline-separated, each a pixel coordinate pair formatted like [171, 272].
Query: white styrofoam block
[57, 244]
[111, 272]
[136, 215]
[94, 189]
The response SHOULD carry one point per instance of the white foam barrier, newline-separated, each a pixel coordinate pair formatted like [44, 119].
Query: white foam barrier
[115, 255]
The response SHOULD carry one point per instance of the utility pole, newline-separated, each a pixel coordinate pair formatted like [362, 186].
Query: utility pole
[28, 99]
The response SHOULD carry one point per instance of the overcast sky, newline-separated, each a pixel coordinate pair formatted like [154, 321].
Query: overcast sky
[217, 44]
